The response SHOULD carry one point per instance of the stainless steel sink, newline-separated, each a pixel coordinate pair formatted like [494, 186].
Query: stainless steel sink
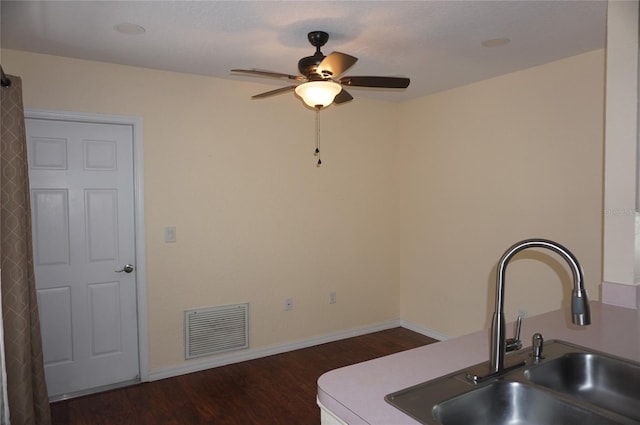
[569, 385]
[506, 402]
[606, 382]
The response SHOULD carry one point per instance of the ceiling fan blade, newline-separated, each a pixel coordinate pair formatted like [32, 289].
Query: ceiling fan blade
[336, 63]
[383, 82]
[342, 97]
[273, 92]
[269, 74]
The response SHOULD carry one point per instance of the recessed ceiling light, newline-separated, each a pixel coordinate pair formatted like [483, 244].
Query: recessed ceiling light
[496, 42]
[129, 28]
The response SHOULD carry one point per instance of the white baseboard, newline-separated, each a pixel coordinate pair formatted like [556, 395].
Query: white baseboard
[251, 354]
[424, 331]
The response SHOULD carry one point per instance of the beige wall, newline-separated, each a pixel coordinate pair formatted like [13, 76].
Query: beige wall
[414, 206]
[256, 221]
[486, 165]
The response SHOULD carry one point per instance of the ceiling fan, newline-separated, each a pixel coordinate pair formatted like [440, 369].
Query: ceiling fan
[320, 84]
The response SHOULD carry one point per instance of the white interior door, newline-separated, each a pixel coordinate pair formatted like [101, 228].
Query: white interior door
[82, 194]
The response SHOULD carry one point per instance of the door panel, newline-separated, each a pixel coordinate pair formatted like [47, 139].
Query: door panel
[101, 214]
[54, 308]
[81, 178]
[104, 306]
[50, 226]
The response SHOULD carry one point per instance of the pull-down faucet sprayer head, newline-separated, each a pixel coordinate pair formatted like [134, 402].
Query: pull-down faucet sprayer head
[580, 313]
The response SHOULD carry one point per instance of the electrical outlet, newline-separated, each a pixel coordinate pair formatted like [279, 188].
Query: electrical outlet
[332, 297]
[288, 304]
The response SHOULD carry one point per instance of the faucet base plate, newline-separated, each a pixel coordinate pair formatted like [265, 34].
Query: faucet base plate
[483, 372]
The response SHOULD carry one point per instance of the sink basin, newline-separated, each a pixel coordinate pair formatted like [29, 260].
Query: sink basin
[504, 402]
[569, 385]
[606, 382]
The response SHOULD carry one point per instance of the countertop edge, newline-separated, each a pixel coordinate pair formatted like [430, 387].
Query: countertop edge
[355, 393]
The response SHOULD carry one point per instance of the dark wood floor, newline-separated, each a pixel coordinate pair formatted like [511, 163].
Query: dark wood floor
[273, 390]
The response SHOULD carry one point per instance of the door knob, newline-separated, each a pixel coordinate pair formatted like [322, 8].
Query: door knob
[127, 268]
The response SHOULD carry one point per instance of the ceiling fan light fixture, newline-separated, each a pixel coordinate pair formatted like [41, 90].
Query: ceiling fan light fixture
[318, 93]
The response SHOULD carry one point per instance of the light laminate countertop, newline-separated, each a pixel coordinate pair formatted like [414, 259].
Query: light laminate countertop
[355, 394]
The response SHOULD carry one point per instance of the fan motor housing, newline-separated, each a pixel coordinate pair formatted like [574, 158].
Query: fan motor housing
[309, 65]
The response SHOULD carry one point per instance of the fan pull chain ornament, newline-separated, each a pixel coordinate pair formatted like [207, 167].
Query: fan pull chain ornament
[316, 153]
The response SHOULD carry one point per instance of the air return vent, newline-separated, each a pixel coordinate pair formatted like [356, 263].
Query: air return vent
[216, 330]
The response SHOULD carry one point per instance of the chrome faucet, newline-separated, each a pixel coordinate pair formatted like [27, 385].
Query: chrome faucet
[579, 303]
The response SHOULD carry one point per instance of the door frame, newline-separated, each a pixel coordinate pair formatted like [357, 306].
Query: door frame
[138, 206]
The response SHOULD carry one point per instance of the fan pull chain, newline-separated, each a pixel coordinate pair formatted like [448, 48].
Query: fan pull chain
[316, 153]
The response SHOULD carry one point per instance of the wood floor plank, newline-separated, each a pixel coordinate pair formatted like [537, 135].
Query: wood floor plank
[274, 390]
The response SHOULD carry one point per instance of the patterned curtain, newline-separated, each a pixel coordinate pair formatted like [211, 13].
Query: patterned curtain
[4, 398]
[26, 387]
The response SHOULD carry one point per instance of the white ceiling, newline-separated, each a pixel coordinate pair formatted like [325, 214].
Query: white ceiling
[435, 43]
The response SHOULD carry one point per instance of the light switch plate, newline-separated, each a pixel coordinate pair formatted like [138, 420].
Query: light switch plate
[170, 234]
